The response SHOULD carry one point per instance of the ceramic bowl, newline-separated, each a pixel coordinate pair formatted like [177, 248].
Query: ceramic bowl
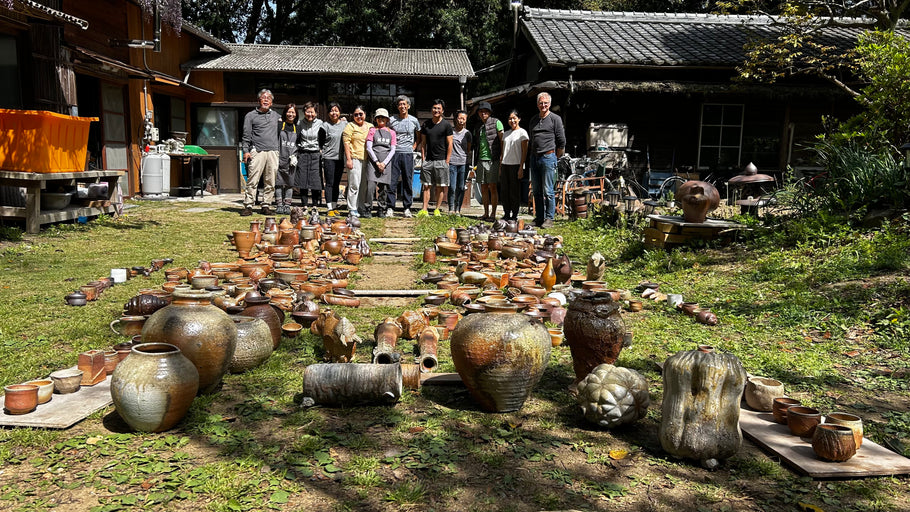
[435, 298]
[803, 420]
[852, 421]
[779, 408]
[20, 398]
[45, 389]
[833, 442]
[448, 248]
[291, 329]
[67, 381]
[761, 392]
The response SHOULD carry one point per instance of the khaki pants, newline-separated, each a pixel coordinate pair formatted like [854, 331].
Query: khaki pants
[263, 165]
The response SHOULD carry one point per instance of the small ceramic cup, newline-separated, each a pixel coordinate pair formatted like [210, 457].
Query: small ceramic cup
[761, 392]
[854, 422]
[67, 381]
[45, 390]
[20, 398]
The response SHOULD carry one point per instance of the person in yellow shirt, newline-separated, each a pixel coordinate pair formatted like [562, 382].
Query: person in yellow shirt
[354, 139]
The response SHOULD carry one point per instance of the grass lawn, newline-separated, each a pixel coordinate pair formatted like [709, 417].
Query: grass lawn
[825, 310]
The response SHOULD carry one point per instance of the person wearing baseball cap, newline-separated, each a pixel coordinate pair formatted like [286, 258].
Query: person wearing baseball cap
[381, 142]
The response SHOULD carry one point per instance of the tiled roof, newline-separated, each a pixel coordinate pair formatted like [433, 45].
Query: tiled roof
[340, 60]
[607, 38]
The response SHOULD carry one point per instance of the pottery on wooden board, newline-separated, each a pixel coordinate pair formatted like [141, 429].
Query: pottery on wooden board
[20, 398]
[205, 334]
[154, 387]
[45, 389]
[500, 358]
[802, 420]
[761, 392]
[254, 343]
[698, 198]
[833, 442]
[852, 421]
[594, 331]
[67, 381]
[779, 408]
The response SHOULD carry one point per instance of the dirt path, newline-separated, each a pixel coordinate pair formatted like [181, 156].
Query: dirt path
[387, 272]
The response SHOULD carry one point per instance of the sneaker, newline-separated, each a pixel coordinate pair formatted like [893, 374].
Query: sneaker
[246, 211]
[407, 213]
[547, 224]
[423, 213]
[354, 213]
[366, 215]
[380, 214]
[436, 212]
[390, 213]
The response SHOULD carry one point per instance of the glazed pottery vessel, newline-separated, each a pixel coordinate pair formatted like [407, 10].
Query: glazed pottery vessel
[761, 392]
[779, 408]
[697, 198]
[254, 343]
[803, 420]
[500, 358]
[45, 390]
[257, 306]
[67, 381]
[833, 442]
[854, 422]
[594, 331]
[205, 334]
[20, 398]
[129, 325]
[144, 304]
[154, 388]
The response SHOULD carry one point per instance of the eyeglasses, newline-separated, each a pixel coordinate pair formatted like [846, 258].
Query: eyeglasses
[359, 114]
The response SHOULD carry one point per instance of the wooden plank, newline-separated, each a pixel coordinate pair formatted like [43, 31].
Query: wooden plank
[406, 240]
[395, 253]
[63, 411]
[664, 227]
[440, 379]
[393, 293]
[870, 460]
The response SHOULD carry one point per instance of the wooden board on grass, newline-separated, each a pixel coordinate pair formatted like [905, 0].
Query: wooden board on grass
[870, 460]
[63, 411]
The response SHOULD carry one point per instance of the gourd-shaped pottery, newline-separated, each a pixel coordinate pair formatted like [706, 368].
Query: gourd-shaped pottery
[700, 410]
[697, 198]
[594, 331]
[500, 358]
[154, 388]
[143, 305]
[205, 334]
[257, 306]
[254, 344]
[548, 275]
[256, 227]
[611, 396]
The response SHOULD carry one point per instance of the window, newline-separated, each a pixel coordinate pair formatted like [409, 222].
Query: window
[371, 96]
[9, 73]
[720, 138]
[216, 127]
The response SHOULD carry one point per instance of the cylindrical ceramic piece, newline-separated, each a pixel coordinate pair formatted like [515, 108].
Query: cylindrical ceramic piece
[854, 422]
[833, 442]
[594, 331]
[779, 408]
[20, 398]
[761, 392]
[803, 420]
[350, 384]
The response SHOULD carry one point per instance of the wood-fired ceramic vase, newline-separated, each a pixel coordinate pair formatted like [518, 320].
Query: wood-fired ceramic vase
[500, 358]
[254, 343]
[154, 387]
[594, 331]
[205, 334]
[257, 306]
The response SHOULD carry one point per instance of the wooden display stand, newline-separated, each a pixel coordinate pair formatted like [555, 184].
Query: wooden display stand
[668, 231]
[34, 183]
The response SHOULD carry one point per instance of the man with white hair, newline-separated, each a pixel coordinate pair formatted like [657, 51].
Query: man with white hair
[259, 144]
[548, 143]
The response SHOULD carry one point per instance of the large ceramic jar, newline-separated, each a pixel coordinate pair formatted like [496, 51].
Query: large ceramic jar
[500, 358]
[154, 387]
[594, 331]
[254, 343]
[257, 306]
[204, 333]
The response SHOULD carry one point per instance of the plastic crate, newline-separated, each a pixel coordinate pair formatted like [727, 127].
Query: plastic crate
[39, 141]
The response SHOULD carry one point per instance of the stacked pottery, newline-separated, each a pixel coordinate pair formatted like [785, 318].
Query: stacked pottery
[205, 334]
[500, 358]
[154, 388]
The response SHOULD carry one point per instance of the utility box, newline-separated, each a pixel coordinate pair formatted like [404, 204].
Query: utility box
[39, 141]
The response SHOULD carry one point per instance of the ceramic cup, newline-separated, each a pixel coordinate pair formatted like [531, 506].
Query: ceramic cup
[128, 325]
[854, 422]
[45, 390]
[803, 420]
[779, 408]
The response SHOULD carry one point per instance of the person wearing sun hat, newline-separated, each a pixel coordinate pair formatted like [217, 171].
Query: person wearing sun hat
[381, 142]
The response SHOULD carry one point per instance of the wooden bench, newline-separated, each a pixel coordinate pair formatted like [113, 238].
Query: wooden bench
[34, 183]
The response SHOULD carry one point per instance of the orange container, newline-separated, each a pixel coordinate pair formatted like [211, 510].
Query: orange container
[39, 141]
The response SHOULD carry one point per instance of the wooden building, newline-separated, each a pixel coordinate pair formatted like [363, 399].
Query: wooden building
[670, 78]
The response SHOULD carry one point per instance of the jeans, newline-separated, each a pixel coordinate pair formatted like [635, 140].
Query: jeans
[402, 169]
[457, 175]
[543, 179]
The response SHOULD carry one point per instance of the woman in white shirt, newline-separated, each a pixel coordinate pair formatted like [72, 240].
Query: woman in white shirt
[511, 165]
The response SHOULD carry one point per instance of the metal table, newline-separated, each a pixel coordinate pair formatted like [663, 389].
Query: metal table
[195, 162]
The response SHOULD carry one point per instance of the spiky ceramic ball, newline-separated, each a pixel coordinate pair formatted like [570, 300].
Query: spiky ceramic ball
[611, 396]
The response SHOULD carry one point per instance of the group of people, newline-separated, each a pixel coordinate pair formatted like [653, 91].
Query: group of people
[311, 155]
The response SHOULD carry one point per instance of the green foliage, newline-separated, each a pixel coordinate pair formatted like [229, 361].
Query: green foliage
[10, 233]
